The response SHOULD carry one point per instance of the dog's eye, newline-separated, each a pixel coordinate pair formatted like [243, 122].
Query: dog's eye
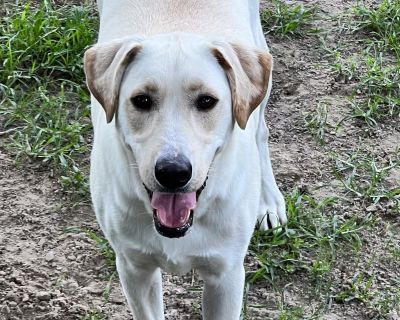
[205, 102]
[142, 102]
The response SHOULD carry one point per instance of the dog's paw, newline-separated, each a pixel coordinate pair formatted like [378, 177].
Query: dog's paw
[273, 211]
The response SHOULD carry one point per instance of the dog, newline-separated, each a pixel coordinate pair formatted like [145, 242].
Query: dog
[180, 169]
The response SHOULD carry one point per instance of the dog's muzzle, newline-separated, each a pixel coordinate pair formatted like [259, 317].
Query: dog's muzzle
[173, 212]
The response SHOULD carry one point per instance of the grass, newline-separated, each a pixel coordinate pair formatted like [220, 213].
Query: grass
[376, 96]
[41, 42]
[52, 127]
[42, 87]
[93, 315]
[362, 288]
[309, 245]
[310, 237]
[359, 289]
[105, 248]
[317, 121]
[287, 20]
[364, 176]
[375, 66]
[382, 23]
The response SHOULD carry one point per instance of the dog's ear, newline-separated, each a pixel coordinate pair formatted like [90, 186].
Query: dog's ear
[105, 65]
[248, 71]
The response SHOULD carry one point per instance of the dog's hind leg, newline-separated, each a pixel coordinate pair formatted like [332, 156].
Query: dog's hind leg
[142, 285]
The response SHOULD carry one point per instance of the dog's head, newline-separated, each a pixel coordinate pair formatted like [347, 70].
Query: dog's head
[175, 99]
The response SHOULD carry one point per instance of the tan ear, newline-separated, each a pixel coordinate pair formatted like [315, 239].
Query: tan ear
[105, 65]
[248, 71]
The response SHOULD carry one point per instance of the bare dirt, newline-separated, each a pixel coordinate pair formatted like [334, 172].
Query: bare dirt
[50, 269]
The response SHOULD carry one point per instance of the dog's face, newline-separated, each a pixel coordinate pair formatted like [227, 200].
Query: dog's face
[175, 99]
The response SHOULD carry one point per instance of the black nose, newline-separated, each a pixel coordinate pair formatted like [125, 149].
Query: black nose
[173, 173]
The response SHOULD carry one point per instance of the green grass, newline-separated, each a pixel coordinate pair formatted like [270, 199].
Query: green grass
[309, 246]
[382, 23]
[376, 96]
[317, 122]
[44, 42]
[287, 20]
[362, 288]
[364, 176]
[93, 315]
[375, 66]
[42, 87]
[51, 128]
[359, 289]
[104, 247]
[294, 313]
[309, 242]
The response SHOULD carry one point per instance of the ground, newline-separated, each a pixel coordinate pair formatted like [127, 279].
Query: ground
[338, 165]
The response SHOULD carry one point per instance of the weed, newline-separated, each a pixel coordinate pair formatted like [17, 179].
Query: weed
[105, 248]
[396, 253]
[380, 86]
[286, 19]
[294, 313]
[382, 22]
[347, 68]
[93, 315]
[44, 41]
[52, 128]
[41, 86]
[386, 302]
[363, 176]
[317, 122]
[359, 289]
[376, 95]
[373, 68]
[309, 233]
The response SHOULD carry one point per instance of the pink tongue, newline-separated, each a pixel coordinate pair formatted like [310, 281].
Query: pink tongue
[173, 209]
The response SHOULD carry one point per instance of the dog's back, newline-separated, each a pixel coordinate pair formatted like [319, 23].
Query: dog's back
[163, 16]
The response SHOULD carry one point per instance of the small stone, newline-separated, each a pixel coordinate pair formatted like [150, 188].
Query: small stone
[25, 297]
[43, 296]
[71, 257]
[94, 288]
[50, 256]
[116, 298]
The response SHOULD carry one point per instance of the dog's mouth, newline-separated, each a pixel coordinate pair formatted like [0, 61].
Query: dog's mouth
[173, 212]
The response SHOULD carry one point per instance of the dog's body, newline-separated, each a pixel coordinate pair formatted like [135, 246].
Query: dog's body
[170, 51]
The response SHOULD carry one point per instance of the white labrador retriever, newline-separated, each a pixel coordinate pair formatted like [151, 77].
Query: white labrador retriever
[180, 168]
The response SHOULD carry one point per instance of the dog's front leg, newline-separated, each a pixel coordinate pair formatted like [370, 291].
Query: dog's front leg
[272, 205]
[142, 285]
[222, 296]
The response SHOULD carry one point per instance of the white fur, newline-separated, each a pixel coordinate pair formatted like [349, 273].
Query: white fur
[241, 187]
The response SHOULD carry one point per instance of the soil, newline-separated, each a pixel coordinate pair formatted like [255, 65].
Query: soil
[50, 269]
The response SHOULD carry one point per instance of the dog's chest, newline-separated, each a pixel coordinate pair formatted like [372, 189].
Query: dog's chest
[176, 266]
[182, 265]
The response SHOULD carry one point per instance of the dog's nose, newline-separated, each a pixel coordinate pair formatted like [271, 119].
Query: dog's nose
[173, 173]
